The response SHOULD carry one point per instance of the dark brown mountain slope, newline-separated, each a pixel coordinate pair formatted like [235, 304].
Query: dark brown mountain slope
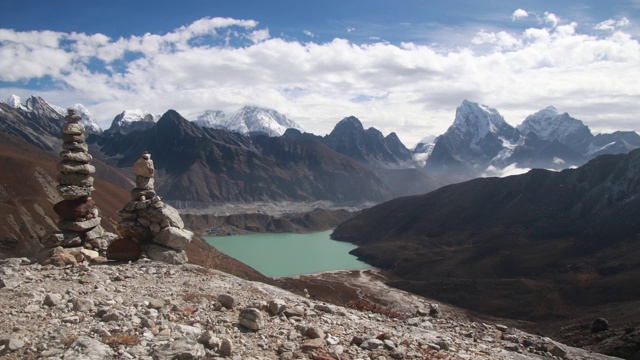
[538, 246]
[28, 193]
[27, 196]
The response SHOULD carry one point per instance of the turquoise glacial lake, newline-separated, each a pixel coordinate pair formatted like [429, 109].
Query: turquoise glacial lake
[278, 255]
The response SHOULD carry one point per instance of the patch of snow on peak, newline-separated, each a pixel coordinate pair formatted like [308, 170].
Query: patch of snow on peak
[509, 170]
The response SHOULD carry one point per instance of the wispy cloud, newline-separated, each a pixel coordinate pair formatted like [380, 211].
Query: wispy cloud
[412, 89]
[611, 24]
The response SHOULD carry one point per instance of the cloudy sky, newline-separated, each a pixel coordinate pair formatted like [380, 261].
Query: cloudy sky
[399, 66]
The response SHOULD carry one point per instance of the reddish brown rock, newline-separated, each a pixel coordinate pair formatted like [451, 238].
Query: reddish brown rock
[124, 249]
[73, 209]
[134, 230]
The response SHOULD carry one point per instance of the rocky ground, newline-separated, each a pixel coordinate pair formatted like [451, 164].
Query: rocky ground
[152, 310]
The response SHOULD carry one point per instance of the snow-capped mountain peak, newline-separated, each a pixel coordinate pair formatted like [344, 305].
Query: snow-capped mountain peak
[37, 104]
[474, 121]
[211, 119]
[132, 120]
[259, 120]
[87, 121]
[549, 124]
[14, 101]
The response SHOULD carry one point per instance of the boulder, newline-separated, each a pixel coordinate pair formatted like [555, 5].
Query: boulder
[160, 215]
[599, 325]
[227, 301]
[72, 192]
[184, 348]
[173, 238]
[136, 194]
[166, 255]
[75, 146]
[135, 231]
[94, 233]
[78, 156]
[63, 239]
[124, 249]
[251, 318]
[75, 179]
[144, 166]
[87, 348]
[74, 209]
[59, 257]
[68, 138]
[135, 205]
[145, 183]
[101, 243]
[73, 167]
[73, 128]
[277, 306]
[79, 226]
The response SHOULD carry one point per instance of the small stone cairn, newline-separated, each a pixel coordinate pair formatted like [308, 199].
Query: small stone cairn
[81, 236]
[149, 225]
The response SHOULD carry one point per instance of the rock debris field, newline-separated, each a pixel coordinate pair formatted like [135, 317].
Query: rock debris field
[153, 310]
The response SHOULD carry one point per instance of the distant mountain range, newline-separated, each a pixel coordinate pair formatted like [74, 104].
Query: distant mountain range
[478, 143]
[480, 139]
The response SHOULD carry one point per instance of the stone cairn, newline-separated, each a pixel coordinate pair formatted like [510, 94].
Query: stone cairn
[149, 225]
[81, 236]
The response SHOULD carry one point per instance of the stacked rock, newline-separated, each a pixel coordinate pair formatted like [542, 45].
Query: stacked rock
[148, 224]
[79, 222]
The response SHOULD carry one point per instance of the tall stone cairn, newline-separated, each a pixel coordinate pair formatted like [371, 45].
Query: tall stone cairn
[148, 225]
[79, 220]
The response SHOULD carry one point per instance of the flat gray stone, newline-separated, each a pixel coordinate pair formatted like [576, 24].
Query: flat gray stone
[173, 238]
[166, 255]
[78, 226]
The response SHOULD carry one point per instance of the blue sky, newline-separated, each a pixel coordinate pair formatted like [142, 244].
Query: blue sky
[400, 66]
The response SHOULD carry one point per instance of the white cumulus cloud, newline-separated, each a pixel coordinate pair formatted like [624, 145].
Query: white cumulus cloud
[519, 14]
[411, 89]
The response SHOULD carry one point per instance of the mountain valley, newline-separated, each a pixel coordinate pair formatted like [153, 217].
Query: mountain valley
[545, 249]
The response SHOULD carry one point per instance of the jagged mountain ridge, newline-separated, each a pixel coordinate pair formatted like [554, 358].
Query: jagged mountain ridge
[524, 240]
[368, 146]
[35, 122]
[479, 141]
[43, 108]
[479, 138]
[204, 165]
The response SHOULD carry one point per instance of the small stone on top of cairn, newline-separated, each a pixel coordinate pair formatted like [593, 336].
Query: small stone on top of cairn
[79, 220]
[149, 225]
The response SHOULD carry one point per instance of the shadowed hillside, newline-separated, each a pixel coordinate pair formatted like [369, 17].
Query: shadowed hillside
[538, 246]
[205, 165]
